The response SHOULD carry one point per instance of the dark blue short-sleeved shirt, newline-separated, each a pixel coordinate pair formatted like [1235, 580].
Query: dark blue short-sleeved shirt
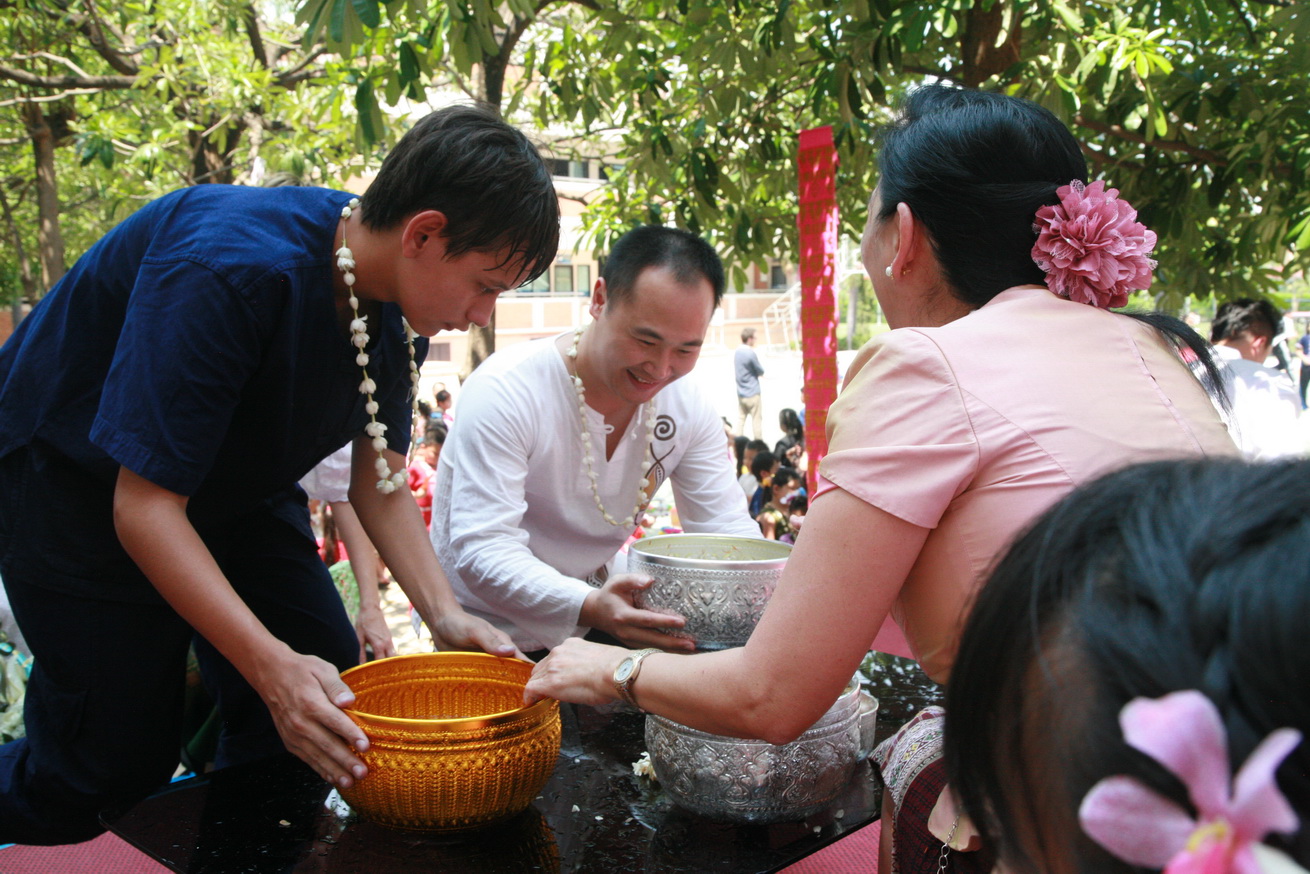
[198, 345]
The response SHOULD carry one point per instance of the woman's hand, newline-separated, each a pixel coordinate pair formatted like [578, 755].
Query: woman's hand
[577, 670]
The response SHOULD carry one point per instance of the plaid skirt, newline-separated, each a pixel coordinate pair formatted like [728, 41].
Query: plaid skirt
[914, 773]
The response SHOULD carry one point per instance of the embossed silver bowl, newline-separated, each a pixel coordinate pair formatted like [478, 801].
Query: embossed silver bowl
[718, 582]
[728, 778]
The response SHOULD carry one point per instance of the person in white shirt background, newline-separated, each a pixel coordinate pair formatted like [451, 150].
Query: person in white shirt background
[563, 441]
[1265, 406]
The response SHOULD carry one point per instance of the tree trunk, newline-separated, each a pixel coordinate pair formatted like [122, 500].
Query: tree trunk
[482, 341]
[982, 57]
[50, 239]
[26, 277]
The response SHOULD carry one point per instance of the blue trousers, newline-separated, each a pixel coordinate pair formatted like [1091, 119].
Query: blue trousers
[104, 705]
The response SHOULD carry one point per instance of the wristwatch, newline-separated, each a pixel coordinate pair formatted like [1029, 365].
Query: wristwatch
[626, 674]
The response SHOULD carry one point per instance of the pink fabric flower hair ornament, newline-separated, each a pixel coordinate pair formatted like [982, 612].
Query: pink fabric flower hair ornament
[1184, 732]
[1092, 247]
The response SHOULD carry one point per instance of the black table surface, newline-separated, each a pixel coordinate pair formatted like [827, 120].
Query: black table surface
[593, 815]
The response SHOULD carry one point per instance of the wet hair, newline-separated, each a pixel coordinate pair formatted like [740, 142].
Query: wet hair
[685, 255]
[1255, 316]
[762, 464]
[484, 175]
[974, 168]
[1162, 577]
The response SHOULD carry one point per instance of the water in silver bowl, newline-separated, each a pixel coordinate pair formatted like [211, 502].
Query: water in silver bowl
[719, 583]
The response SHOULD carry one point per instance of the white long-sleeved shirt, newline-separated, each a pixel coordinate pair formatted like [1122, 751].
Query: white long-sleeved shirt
[514, 521]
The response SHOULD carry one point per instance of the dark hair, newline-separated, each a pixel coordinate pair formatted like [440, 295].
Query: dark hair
[442, 396]
[762, 463]
[686, 255]
[483, 175]
[974, 168]
[758, 445]
[1161, 577]
[799, 503]
[1255, 316]
[436, 434]
[739, 444]
[785, 475]
[790, 423]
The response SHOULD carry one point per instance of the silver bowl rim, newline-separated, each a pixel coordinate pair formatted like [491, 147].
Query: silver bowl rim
[641, 550]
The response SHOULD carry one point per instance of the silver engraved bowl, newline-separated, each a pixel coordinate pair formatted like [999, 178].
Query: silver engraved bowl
[753, 781]
[718, 582]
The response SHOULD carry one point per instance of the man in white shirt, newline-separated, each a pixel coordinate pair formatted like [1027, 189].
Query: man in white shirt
[562, 442]
[1265, 406]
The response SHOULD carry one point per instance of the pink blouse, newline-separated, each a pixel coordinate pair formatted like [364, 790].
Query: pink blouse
[974, 428]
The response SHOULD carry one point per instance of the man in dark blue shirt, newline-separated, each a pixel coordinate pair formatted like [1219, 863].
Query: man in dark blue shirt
[157, 409]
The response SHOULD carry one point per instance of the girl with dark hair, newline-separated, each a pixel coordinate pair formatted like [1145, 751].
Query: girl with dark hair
[994, 262]
[792, 445]
[1148, 646]
[773, 516]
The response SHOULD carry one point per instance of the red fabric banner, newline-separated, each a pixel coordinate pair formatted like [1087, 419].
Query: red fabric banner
[817, 222]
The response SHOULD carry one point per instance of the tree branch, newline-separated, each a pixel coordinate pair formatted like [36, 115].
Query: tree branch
[250, 18]
[94, 30]
[1120, 132]
[99, 83]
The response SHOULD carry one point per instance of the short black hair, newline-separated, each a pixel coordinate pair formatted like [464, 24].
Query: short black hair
[436, 434]
[1246, 315]
[484, 175]
[685, 255]
[762, 463]
[1162, 577]
[974, 168]
[442, 396]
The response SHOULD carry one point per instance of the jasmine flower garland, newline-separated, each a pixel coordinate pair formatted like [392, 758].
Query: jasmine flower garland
[388, 481]
[586, 442]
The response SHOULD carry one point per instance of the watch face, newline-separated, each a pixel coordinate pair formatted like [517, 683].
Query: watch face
[624, 670]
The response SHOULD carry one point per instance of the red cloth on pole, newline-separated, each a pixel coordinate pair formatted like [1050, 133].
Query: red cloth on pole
[817, 222]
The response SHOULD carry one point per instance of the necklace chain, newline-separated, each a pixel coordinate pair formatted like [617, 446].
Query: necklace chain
[580, 391]
[388, 482]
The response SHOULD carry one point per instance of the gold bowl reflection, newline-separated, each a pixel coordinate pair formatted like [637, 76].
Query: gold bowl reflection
[451, 746]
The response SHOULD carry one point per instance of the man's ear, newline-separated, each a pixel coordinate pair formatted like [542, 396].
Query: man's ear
[422, 230]
[599, 295]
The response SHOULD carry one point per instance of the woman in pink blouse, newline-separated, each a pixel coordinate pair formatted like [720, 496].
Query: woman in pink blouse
[1006, 382]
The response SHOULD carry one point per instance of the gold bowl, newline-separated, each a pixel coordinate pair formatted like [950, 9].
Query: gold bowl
[451, 746]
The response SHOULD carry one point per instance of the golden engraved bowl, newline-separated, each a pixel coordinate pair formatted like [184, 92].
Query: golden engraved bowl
[451, 746]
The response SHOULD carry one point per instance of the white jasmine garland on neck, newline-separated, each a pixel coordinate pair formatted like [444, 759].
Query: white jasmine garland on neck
[388, 481]
[587, 459]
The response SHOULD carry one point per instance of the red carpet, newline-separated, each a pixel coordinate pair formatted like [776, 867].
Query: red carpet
[857, 853]
[107, 854]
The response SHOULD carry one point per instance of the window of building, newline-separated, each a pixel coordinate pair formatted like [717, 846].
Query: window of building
[540, 284]
[563, 278]
[584, 278]
[439, 352]
[777, 277]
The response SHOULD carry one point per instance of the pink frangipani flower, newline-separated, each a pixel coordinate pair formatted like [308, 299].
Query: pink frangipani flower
[1092, 247]
[1184, 732]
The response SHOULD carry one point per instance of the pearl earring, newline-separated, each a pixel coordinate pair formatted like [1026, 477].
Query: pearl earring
[888, 271]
